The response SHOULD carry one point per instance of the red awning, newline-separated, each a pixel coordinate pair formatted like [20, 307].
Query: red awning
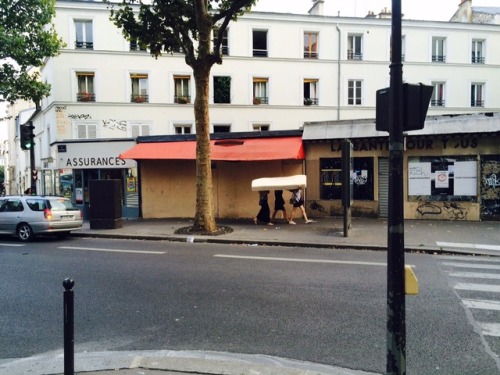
[252, 149]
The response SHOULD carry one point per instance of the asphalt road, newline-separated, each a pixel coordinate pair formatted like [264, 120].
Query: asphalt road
[324, 306]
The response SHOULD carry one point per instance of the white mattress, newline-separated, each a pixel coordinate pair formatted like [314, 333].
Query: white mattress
[279, 183]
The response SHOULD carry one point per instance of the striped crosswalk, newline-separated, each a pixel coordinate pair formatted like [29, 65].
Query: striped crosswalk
[477, 277]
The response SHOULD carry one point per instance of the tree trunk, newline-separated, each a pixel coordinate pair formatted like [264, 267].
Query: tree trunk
[204, 220]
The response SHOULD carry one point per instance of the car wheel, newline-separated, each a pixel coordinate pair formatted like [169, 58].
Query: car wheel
[24, 232]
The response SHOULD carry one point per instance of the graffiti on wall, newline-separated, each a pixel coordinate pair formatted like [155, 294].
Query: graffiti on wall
[80, 117]
[115, 124]
[452, 210]
[490, 187]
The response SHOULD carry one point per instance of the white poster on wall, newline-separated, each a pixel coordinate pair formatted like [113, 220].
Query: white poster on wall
[441, 179]
[419, 178]
[465, 178]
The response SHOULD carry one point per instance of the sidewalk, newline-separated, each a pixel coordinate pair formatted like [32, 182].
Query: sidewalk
[420, 235]
[435, 237]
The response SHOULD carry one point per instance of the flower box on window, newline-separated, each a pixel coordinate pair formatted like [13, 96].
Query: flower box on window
[85, 97]
[257, 101]
[139, 99]
[183, 100]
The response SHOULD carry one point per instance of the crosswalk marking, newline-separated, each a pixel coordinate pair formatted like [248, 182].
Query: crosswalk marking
[478, 287]
[482, 304]
[468, 245]
[470, 265]
[476, 275]
[490, 329]
[459, 269]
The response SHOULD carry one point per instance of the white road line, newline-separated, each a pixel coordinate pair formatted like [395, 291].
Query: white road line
[12, 244]
[471, 265]
[301, 260]
[477, 275]
[482, 304]
[468, 258]
[111, 250]
[468, 245]
[490, 329]
[478, 287]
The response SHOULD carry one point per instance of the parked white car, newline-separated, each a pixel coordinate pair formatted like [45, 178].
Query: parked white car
[25, 216]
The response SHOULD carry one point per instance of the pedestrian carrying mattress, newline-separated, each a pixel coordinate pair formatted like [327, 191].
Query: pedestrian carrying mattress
[279, 183]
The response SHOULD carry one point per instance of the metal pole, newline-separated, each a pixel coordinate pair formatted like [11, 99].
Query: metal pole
[69, 327]
[32, 168]
[396, 326]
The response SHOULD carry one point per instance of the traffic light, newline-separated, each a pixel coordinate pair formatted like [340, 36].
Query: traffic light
[27, 136]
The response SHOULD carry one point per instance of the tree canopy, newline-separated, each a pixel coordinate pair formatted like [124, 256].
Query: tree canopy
[27, 38]
[195, 28]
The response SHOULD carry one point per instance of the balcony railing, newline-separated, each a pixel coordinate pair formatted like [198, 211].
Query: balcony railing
[311, 101]
[260, 52]
[477, 60]
[182, 99]
[438, 58]
[87, 45]
[85, 97]
[351, 55]
[310, 55]
[477, 103]
[437, 103]
[135, 98]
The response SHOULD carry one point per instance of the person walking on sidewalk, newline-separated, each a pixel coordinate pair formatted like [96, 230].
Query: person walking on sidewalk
[264, 214]
[279, 205]
[298, 202]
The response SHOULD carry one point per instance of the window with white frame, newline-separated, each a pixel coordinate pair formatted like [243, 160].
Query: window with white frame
[437, 99]
[86, 130]
[182, 128]
[311, 92]
[354, 92]
[477, 95]
[310, 45]
[85, 83]
[477, 52]
[139, 129]
[259, 43]
[83, 34]
[222, 89]
[260, 95]
[438, 49]
[261, 127]
[225, 43]
[139, 84]
[222, 128]
[355, 47]
[181, 87]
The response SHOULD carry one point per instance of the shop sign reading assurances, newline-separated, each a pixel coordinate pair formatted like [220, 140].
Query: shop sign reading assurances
[94, 155]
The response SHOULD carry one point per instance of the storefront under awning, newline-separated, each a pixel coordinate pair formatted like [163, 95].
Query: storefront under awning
[247, 149]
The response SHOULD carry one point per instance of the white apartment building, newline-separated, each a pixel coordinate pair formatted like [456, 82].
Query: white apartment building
[279, 71]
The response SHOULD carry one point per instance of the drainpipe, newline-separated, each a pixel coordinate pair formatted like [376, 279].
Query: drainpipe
[338, 74]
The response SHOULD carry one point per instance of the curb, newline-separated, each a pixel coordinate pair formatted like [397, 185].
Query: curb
[194, 362]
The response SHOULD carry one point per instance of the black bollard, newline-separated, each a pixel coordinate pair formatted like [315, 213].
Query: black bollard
[69, 327]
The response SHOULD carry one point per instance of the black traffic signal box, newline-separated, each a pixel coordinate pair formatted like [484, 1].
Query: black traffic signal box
[416, 99]
[27, 136]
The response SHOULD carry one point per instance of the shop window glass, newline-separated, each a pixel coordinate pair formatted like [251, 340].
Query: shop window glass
[331, 178]
[447, 178]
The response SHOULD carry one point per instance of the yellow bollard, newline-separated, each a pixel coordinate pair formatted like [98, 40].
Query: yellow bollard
[411, 282]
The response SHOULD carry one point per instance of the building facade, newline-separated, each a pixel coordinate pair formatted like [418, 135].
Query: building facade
[105, 88]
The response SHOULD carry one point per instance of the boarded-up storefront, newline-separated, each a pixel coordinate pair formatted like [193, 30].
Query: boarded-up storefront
[168, 172]
[450, 168]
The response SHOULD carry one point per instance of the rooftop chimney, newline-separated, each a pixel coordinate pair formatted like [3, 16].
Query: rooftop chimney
[385, 13]
[371, 14]
[317, 8]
